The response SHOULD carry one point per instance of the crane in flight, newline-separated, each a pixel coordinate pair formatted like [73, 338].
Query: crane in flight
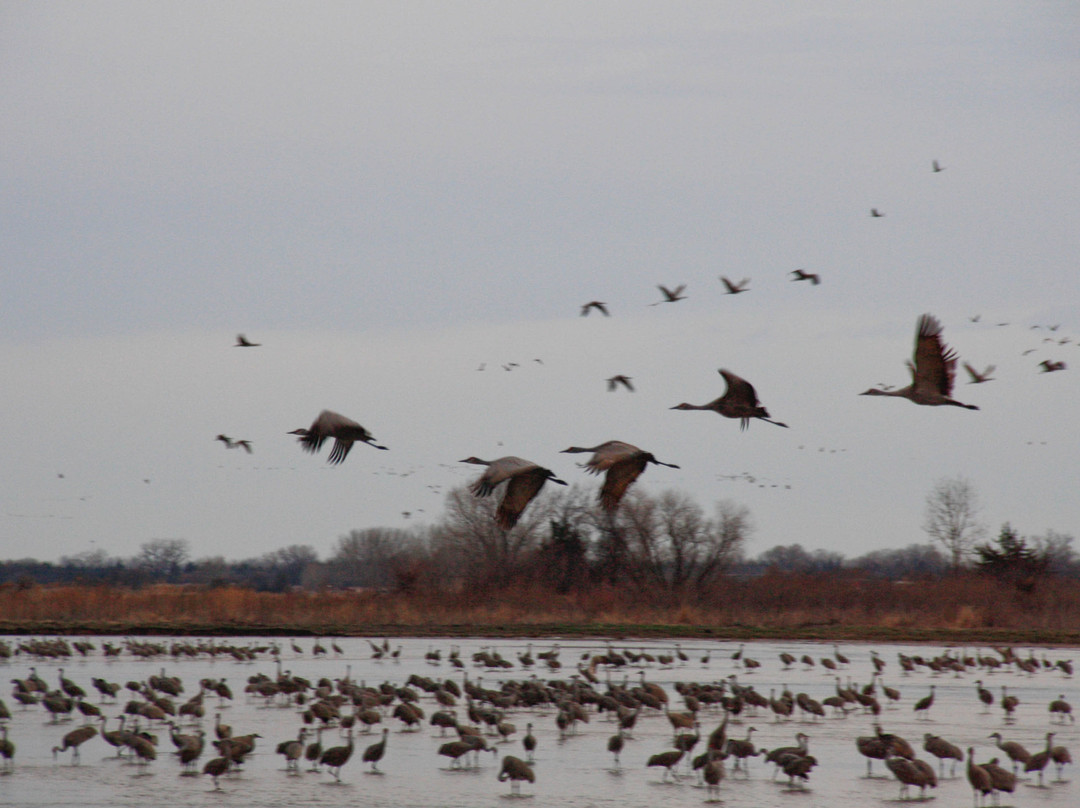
[933, 369]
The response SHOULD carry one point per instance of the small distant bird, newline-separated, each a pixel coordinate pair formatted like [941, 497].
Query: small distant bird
[614, 382]
[7, 750]
[942, 750]
[1001, 779]
[218, 766]
[529, 741]
[976, 376]
[803, 275]
[623, 463]
[671, 295]
[595, 304]
[337, 756]
[233, 444]
[1062, 709]
[975, 318]
[374, 753]
[925, 703]
[932, 371]
[344, 431]
[712, 773]
[978, 777]
[615, 745]
[875, 213]
[739, 401]
[669, 761]
[1049, 366]
[937, 167]
[515, 770]
[735, 288]
[525, 481]
[74, 739]
[244, 342]
[293, 750]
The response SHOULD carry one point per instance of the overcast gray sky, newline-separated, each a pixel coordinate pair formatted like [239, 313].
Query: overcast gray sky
[388, 195]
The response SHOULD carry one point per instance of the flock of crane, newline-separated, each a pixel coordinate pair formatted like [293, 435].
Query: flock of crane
[933, 375]
[625, 688]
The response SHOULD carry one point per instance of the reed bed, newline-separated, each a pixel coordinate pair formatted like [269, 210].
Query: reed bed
[772, 605]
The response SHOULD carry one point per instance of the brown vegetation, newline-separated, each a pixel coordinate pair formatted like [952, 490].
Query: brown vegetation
[775, 604]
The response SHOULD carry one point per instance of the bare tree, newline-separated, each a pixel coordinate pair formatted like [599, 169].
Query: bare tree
[371, 557]
[1057, 549]
[470, 541]
[286, 566]
[787, 558]
[562, 560]
[88, 559]
[672, 545]
[162, 558]
[734, 527]
[918, 560]
[951, 518]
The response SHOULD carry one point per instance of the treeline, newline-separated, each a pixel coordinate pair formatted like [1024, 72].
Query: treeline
[664, 548]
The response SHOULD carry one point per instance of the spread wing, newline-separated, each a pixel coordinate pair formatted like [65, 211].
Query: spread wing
[739, 390]
[519, 492]
[340, 450]
[619, 478]
[498, 471]
[608, 455]
[934, 366]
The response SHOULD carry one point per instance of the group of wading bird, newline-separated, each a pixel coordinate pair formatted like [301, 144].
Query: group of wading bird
[323, 707]
[933, 371]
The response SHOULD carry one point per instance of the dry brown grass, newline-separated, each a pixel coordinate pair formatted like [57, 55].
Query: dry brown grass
[774, 604]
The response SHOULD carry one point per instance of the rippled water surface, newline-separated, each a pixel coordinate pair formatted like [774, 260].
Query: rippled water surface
[573, 771]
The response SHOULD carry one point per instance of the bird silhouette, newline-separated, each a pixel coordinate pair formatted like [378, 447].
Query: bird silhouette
[671, 295]
[623, 463]
[932, 371]
[515, 770]
[735, 288]
[595, 304]
[1049, 367]
[875, 213]
[614, 382]
[803, 275]
[978, 377]
[739, 401]
[344, 431]
[525, 481]
[937, 167]
[978, 777]
[374, 753]
[243, 342]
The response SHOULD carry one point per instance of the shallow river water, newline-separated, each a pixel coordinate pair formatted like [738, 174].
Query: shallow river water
[573, 771]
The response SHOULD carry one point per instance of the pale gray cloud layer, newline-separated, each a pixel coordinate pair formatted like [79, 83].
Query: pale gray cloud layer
[389, 194]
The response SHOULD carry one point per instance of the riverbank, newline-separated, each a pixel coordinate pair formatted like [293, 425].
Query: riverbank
[620, 632]
[962, 611]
